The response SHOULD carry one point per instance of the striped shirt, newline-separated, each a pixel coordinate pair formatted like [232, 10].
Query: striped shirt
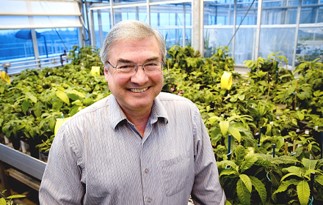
[98, 157]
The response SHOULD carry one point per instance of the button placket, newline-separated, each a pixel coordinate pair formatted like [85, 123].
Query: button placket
[148, 199]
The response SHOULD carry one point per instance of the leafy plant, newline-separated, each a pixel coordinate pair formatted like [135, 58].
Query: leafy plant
[9, 200]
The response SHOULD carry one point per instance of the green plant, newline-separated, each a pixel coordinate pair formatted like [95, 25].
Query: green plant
[266, 125]
[9, 200]
[299, 181]
[36, 98]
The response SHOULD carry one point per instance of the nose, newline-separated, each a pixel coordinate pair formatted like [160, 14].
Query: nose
[140, 76]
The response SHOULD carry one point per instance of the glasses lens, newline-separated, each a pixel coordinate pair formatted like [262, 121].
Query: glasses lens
[152, 66]
[126, 68]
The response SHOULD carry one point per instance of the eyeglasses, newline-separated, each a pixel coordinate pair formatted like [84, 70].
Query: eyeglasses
[132, 68]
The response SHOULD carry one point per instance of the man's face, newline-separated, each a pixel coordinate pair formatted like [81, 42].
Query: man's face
[134, 92]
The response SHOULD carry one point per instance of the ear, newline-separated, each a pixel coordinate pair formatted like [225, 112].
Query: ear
[106, 73]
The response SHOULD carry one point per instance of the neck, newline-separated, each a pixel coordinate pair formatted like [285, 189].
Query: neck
[139, 119]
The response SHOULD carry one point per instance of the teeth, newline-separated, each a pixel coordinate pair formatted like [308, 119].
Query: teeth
[138, 90]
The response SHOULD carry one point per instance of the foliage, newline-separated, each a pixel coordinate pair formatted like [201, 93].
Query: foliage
[9, 200]
[263, 125]
[266, 131]
[35, 99]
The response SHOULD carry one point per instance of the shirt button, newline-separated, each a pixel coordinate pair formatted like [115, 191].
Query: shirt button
[148, 199]
[146, 171]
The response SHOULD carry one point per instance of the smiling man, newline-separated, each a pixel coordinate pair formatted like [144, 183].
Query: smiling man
[137, 146]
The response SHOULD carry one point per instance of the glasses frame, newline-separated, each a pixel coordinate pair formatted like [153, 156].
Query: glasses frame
[136, 67]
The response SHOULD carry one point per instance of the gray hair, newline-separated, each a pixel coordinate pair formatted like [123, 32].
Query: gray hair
[130, 30]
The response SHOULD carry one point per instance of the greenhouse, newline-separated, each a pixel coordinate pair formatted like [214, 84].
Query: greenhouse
[252, 68]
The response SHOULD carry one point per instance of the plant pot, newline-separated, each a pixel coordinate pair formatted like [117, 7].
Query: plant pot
[318, 135]
[15, 141]
[34, 152]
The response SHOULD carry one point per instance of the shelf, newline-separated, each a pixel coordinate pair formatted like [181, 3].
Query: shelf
[22, 162]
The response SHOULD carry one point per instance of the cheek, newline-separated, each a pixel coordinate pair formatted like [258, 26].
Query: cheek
[159, 79]
[114, 81]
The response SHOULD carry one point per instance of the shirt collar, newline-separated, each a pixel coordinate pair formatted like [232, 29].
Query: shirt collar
[158, 112]
[117, 116]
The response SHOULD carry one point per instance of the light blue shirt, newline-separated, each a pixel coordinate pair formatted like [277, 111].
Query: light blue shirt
[98, 157]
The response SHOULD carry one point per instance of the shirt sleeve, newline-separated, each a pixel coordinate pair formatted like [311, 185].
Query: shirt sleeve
[61, 182]
[207, 189]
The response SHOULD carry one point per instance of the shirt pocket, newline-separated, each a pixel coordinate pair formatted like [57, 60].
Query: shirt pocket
[175, 173]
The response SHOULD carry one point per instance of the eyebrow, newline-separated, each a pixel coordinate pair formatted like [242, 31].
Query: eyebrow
[121, 60]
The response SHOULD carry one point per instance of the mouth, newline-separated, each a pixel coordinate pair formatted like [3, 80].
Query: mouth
[138, 90]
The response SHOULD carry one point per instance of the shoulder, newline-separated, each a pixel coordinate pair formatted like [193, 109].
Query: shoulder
[169, 97]
[87, 115]
[170, 100]
[101, 104]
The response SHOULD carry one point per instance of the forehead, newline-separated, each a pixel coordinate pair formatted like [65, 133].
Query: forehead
[132, 49]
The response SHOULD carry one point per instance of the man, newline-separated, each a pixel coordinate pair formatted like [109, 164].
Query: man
[137, 146]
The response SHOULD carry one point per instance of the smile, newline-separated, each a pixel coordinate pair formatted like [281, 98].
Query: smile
[138, 90]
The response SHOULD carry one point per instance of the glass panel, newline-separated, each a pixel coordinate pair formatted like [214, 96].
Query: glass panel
[309, 15]
[13, 47]
[276, 15]
[171, 15]
[173, 1]
[279, 12]
[292, 2]
[215, 38]
[274, 40]
[175, 36]
[273, 3]
[244, 44]
[216, 13]
[291, 16]
[136, 13]
[309, 45]
[247, 13]
[309, 2]
[222, 12]
[56, 41]
[173, 21]
[128, 1]
[320, 15]
[102, 24]
[16, 46]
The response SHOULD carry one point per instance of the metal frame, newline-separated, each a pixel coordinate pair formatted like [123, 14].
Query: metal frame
[22, 162]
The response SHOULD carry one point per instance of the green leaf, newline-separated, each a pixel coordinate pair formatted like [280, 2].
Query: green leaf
[227, 202]
[240, 153]
[300, 115]
[227, 172]
[294, 169]
[31, 97]
[63, 96]
[224, 126]
[2, 201]
[16, 196]
[303, 192]
[248, 163]
[284, 186]
[260, 188]
[291, 174]
[243, 194]
[74, 94]
[309, 163]
[25, 106]
[247, 182]
[227, 164]
[38, 109]
[235, 133]
[319, 179]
